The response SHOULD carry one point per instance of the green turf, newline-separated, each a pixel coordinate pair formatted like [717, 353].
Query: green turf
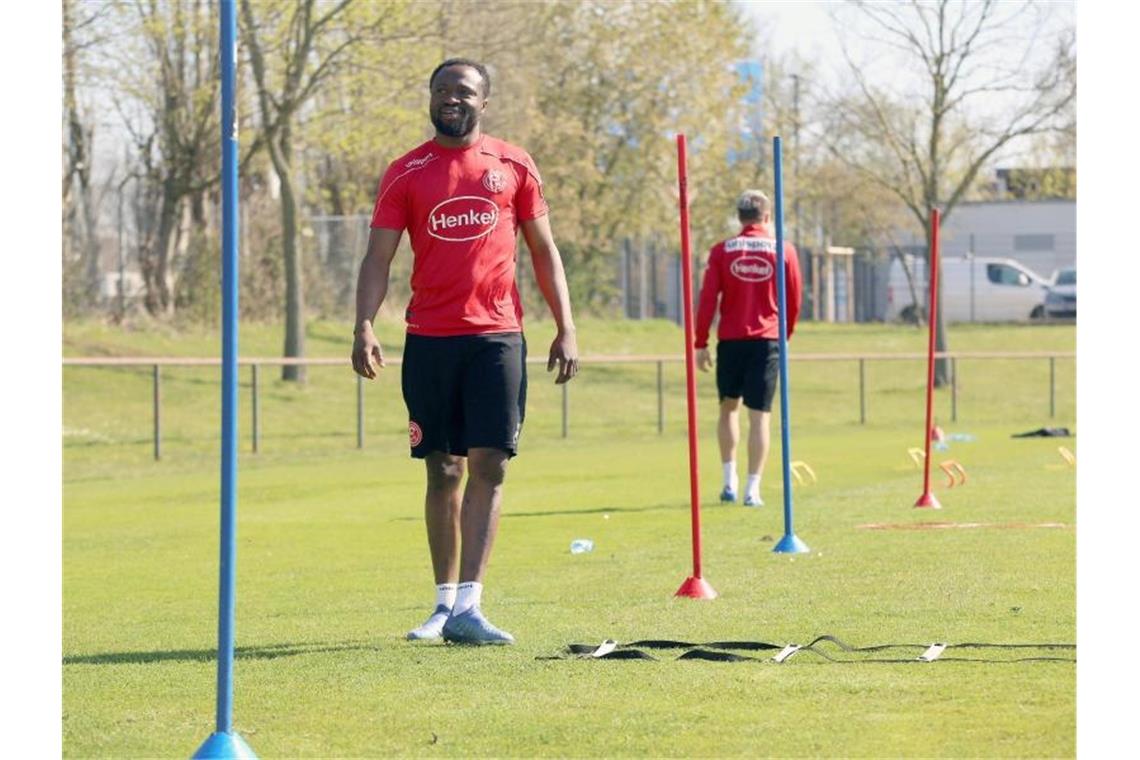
[333, 566]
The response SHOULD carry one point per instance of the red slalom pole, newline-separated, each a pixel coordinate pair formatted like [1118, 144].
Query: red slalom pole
[694, 587]
[928, 499]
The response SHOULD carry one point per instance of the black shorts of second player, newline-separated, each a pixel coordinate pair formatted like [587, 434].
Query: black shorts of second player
[748, 368]
[464, 391]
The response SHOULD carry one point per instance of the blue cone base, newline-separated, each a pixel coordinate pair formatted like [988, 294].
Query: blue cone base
[221, 745]
[791, 544]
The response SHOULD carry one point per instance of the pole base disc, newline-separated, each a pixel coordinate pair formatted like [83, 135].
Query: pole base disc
[222, 745]
[696, 588]
[791, 544]
[927, 501]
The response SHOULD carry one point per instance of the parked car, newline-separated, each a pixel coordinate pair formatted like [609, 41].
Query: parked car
[974, 289]
[1061, 298]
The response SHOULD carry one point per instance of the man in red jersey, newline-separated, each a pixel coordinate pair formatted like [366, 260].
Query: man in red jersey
[741, 273]
[462, 196]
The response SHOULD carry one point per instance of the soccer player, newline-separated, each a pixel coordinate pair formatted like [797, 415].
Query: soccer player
[462, 196]
[741, 274]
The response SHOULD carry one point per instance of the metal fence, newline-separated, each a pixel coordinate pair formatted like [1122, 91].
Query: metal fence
[158, 364]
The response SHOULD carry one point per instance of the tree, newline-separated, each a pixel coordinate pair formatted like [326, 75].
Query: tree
[612, 85]
[927, 136]
[80, 205]
[294, 49]
[172, 119]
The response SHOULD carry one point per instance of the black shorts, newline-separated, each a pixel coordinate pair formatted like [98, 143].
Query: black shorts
[748, 368]
[465, 391]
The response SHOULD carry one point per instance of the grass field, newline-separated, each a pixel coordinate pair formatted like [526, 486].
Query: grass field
[333, 566]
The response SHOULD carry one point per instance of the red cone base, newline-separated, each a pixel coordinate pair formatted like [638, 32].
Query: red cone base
[928, 501]
[696, 588]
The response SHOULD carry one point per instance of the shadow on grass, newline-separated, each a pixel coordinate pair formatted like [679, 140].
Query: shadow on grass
[264, 652]
[584, 511]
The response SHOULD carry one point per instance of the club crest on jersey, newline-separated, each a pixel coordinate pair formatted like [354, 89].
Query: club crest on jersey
[464, 217]
[494, 180]
[415, 434]
[752, 269]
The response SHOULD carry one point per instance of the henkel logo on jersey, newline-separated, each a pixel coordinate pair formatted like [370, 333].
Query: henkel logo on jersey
[464, 217]
[752, 269]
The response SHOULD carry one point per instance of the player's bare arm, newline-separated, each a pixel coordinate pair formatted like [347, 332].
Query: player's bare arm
[371, 288]
[551, 279]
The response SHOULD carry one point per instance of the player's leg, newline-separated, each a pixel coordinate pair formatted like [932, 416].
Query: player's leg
[441, 513]
[729, 385]
[759, 443]
[728, 436]
[760, 389]
[494, 402]
[428, 393]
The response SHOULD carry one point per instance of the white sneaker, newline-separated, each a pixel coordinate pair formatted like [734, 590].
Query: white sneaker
[753, 500]
[432, 628]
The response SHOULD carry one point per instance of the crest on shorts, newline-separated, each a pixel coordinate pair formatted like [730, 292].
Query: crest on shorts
[494, 180]
[415, 434]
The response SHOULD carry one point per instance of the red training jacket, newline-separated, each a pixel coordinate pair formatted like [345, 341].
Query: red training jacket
[741, 273]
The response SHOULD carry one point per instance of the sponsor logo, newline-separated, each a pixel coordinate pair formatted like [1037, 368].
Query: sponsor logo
[752, 269]
[415, 434]
[465, 217]
[418, 162]
[494, 180]
[750, 244]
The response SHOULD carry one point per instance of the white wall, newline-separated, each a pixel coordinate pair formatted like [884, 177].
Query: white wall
[1007, 229]
[996, 227]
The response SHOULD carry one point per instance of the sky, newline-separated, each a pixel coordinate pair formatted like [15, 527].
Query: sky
[806, 30]
[796, 26]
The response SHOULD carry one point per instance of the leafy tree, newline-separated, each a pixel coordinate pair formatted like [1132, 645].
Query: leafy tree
[615, 82]
[295, 49]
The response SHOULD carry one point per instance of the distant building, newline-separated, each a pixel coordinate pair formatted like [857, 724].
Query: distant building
[1041, 234]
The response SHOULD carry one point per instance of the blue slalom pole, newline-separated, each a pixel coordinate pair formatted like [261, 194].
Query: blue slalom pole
[790, 543]
[224, 743]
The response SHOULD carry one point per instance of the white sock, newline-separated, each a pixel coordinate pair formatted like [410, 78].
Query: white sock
[730, 478]
[445, 594]
[753, 484]
[468, 596]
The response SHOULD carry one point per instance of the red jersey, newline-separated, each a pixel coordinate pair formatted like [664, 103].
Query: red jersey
[741, 272]
[462, 208]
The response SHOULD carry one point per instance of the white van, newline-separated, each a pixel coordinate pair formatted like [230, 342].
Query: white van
[974, 289]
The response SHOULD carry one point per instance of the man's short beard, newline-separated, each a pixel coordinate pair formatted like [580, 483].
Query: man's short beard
[462, 128]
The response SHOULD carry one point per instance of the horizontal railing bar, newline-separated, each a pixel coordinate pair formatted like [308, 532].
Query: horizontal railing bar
[206, 361]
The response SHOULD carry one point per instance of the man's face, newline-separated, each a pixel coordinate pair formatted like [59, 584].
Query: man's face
[457, 101]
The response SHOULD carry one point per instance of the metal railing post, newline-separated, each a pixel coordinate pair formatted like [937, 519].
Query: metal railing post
[157, 414]
[565, 410]
[1052, 387]
[862, 392]
[255, 407]
[660, 398]
[359, 411]
[953, 390]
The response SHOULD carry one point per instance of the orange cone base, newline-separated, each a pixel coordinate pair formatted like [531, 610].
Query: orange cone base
[927, 501]
[696, 588]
